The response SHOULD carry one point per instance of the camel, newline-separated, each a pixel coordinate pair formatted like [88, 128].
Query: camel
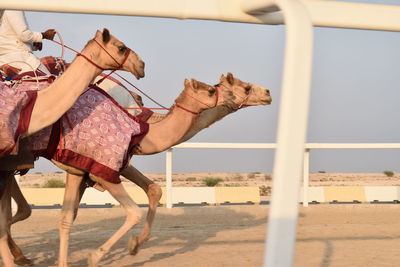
[246, 95]
[106, 50]
[32, 111]
[234, 88]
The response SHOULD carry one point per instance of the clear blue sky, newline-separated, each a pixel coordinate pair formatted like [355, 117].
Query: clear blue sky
[355, 87]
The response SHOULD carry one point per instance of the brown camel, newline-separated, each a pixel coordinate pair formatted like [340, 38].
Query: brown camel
[245, 95]
[196, 97]
[37, 110]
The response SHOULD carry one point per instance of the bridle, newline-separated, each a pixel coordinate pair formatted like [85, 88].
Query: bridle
[198, 100]
[244, 98]
[128, 51]
[102, 47]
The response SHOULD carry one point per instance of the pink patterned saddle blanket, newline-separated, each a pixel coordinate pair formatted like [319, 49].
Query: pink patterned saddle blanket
[15, 111]
[16, 104]
[95, 135]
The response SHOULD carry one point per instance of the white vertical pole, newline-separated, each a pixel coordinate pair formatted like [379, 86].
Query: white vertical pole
[169, 178]
[292, 128]
[306, 176]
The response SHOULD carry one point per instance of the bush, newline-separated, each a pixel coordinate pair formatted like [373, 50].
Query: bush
[389, 173]
[251, 175]
[211, 181]
[267, 177]
[54, 183]
[265, 190]
[238, 177]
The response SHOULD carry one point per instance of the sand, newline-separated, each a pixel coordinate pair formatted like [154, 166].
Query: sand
[328, 235]
[213, 236]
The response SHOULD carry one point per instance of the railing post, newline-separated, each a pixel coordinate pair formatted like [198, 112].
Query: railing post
[291, 134]
[169, 178]
[306, 176]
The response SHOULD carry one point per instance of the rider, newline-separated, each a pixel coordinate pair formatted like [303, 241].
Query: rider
[17, 42]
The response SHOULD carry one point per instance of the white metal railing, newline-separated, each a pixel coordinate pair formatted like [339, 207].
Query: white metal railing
[306, 162]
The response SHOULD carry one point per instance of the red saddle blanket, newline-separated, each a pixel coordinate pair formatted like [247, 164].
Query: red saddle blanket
[95, 135]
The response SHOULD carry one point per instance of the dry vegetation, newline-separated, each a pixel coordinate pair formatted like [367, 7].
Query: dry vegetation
[262, 180]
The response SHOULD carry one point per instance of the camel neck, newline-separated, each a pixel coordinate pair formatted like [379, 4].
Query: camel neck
[53, 101]
[167, 132]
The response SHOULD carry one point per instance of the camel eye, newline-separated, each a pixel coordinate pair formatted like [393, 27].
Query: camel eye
[122, 49]
[211, 91]
[247, 88]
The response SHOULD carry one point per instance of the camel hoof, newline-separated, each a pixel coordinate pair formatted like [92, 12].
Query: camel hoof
[133, 245]
[23, 262]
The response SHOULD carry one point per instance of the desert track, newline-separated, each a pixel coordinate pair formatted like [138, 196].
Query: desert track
[213, 236]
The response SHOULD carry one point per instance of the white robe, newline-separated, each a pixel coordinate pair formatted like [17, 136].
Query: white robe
[16, 41]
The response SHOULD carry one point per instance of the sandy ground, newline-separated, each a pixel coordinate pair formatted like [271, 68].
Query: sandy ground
[329, 235]
[213, 236]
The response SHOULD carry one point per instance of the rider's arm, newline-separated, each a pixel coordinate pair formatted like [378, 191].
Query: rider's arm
[18, 22]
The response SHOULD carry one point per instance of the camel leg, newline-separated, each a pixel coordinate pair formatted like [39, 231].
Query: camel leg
[67, 215]
[133, 216]
[5, 215]
[82, 189]
[154, 194]
[23, 212]
[19, 257]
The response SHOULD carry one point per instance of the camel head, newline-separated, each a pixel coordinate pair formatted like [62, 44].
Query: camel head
[197, 96]
[244, 94]
[114, 54]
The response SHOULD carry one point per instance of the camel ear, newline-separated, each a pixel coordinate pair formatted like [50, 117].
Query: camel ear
[106, 35]
[191, 83]
[98, 34]
[186, 83]
[194, 84]
[230, 78]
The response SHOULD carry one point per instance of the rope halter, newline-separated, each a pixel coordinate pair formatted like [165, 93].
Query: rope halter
[201, 102]
[244, 99]
[128, 51]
